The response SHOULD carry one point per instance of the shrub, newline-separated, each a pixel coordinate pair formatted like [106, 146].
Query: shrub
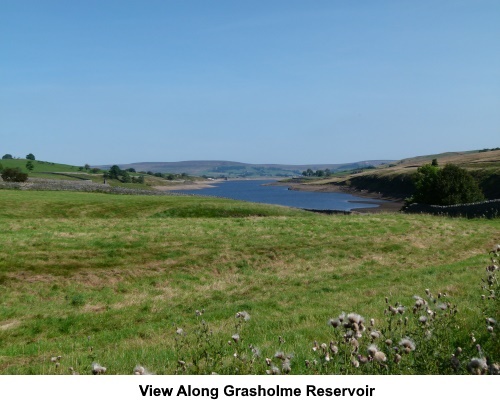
[447, 186]
[14, 175]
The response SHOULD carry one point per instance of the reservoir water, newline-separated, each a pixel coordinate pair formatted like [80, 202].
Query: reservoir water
[258, 191]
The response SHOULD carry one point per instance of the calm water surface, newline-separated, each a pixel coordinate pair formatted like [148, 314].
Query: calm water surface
[256, 191]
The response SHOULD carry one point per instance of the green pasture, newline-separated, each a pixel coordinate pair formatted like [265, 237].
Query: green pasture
[118, 280]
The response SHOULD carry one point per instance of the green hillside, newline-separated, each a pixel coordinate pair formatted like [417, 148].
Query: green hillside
[39, 166]
[395, 179]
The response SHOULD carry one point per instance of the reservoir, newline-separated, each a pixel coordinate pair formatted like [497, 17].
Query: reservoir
[259, 191]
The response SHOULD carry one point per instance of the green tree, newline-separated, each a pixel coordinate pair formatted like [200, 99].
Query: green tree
[14, 175]
[434, 162]
[447, 186]
[30, 166]
[7, 156]
[125, 177]
[114, 172]
[30, 156]
[457, 186]
[426, 184]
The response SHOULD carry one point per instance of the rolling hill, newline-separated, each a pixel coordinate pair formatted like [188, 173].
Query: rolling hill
[395, 179]
[221, 168]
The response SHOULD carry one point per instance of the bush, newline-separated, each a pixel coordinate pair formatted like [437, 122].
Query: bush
[14, 175]
[448, 186]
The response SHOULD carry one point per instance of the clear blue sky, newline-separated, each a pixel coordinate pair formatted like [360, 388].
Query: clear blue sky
[297, 82]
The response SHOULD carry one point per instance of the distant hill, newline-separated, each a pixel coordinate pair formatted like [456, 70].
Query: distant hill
[395, 179]
[222, 168]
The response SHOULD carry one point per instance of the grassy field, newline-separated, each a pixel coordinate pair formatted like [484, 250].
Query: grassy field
[158, 281]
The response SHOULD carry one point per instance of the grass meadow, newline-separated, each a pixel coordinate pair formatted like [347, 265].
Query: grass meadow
[194, 285]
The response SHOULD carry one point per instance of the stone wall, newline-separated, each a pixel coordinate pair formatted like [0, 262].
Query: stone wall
[486, 209]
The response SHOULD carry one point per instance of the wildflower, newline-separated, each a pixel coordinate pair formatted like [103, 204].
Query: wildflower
[401, 309]
[198, 312]
[443, 306]
[477, 366]
[236, 338]
[286, 367]
[268, 361]
[423, 319]
[308, 363]
[273, 371]
[375, 334]
[280, 355]
[419, 301]
[490, 329]
[491, 321]
[73, 372]
[388, 342]
[334, 322]
[244, 315]
[281, 340]
[334, 349]
[408, 344]
[355, 363]
[362, 359]
[139, 370]
[55, 359]
[255, 351]
[180, 331]
[495, 249]
[372, 349]
[372, 322]
[397, 358]
[455, 363]
[380, 357]
[327, 357]
[341, 317]
[393, 310]
[98, 369]
[494, 369]
[355, 318]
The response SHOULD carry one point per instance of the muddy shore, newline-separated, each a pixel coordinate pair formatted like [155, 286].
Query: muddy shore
[386, 204]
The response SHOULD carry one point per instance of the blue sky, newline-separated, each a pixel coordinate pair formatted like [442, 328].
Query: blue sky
[296, 82]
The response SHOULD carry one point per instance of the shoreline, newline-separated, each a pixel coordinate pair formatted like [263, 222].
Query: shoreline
[385, 205]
